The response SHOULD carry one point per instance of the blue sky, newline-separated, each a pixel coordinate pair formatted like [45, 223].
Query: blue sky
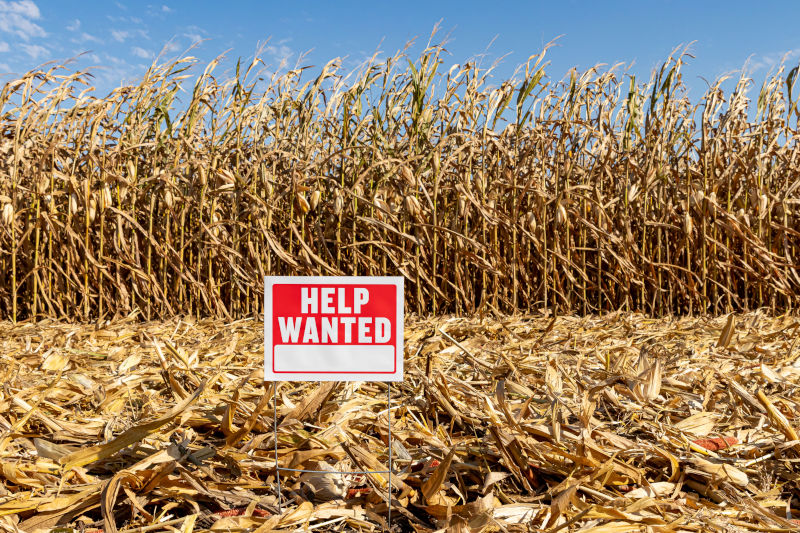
[123, 37]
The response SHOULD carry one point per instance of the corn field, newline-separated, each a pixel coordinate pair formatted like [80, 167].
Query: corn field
[594, 192]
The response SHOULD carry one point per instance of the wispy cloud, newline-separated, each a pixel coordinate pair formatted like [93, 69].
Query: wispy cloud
[17, 19]
[195, 33]
[117, 61]
[75, 26]
[118, 70]
[770, 61]
[138, 51]
[279, 53]
[171, 47]
[124, 19]
[120, 35]
[158, 11]
[35, 51]
[4, 46]
[87, 38]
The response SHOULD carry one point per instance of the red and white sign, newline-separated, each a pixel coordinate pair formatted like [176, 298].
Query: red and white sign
[333, 328]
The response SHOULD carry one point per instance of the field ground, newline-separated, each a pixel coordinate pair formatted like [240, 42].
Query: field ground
[619, 423]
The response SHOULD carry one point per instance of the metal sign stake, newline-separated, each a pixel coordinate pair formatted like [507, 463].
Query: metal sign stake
[279, 468]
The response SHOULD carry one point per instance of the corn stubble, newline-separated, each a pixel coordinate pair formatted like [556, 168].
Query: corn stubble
[520, 424]
[176, 195]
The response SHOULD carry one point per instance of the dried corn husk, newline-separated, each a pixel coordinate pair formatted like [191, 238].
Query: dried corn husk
[302, 202]
[314, 201]
[8, 214]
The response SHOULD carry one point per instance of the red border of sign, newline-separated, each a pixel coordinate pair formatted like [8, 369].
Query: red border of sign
[396, 281]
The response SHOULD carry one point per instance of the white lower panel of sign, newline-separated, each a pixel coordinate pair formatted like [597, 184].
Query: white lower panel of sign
[334, 358]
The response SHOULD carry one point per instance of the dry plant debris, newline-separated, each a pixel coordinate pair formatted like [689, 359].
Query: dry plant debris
[603, 424]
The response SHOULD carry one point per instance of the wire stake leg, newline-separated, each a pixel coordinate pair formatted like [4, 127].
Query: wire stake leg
[278, 468]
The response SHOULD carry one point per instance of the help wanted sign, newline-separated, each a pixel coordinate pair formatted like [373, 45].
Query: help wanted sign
[333, 328]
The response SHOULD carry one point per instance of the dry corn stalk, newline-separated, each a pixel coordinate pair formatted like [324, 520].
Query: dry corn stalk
[650, 203]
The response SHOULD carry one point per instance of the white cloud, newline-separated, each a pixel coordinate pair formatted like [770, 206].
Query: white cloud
[75, 26]
[85, 37]
[280, 54]
[116, 60]
[116, 70]
[120, 35]
[26, 8]
[4, 46]
[171, 47]
[4, 67]
[194, 37]
[158, 10]
[124, 19]
[34, 50]
[195, 33]
[791, 55]
[17, 18]
[141, 52]
[770, 61]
